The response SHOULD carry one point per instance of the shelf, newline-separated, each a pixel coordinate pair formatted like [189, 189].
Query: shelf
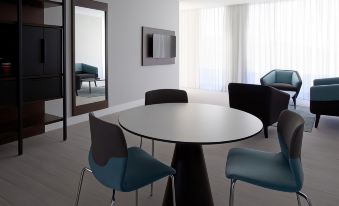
[42, 25]
[42, 76]
[7, 78]
[50, 119]
[49, 3]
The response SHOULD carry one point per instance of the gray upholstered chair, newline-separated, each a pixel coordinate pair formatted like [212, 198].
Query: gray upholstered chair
[161, 96]
[277, 171]
[325, 98]
[118, 167]
[285, 80]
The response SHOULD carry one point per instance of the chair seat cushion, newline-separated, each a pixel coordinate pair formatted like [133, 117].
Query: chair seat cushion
[142, 169]
[269, 170]
[283, 86]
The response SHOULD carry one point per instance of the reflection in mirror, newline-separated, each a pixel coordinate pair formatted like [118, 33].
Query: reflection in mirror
[89, 55]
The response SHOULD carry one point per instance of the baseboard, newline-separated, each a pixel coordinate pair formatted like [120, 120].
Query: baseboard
[84, 117]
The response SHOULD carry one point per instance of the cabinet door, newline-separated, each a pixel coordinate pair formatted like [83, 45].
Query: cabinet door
[33, 51]
[53, 52]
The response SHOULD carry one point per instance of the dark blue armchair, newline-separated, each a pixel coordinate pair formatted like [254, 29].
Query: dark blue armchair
[285, 80]
[325, 98]
[81, 68]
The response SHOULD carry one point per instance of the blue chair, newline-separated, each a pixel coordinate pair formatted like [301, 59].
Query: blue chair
[285, 80]
[277, 171]
[118, 167]
[325, 98]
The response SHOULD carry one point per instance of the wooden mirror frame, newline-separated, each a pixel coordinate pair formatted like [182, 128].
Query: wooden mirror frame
[82, 109]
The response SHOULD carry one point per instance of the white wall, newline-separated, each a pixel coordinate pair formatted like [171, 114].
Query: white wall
[89, 38]
[128, 80]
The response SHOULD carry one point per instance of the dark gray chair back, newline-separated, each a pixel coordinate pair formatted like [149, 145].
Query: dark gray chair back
[161, 96]
[108, 141]
[290, 133]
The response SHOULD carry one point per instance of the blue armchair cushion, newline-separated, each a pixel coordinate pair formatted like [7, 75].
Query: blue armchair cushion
[325, 93]
[284, 77]
[85, 68]
[283, 86]
[326, 81]
[269, 170]
[128, 174]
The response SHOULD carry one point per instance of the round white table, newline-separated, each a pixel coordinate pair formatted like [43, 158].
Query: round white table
[190, 126]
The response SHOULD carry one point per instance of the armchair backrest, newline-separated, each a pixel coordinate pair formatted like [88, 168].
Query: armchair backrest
[108, 152]
[161, 96]
[264, 102]
[250, 98]
[284, 76]
[290, 134]
[85, 68]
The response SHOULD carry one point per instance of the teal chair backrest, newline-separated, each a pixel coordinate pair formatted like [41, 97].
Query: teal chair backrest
[81, 67]
[108, 153]
[78, 67]
[283, 76]
[290, 133]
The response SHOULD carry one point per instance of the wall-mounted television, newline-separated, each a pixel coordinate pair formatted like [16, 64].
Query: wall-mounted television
[158, 47]
[164, 46]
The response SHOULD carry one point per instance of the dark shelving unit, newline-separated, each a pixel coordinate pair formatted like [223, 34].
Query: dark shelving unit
[32, 68]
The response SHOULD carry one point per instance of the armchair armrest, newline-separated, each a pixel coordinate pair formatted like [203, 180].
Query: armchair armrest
[325, 93]
[90, 69]
[326, 81]
[296, 80]
[278, 102]
[269, 78]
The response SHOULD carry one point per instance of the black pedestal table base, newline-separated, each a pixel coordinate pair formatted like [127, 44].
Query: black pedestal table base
[191, 180]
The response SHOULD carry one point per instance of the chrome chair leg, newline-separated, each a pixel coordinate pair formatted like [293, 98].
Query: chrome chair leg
[140, 142]
[136, 197]
[231, 200]
[113, 198]
[80, 184]
[305, 197]
[173, 191]
[151, 194]
[298, 198]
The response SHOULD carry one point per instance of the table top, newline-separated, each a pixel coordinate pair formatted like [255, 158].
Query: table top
[190, 123]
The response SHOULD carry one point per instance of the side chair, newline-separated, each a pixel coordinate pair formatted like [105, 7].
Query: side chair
[277, 171]
[118, 167]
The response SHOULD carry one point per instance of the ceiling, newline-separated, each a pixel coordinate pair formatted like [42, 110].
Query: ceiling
[194, 4]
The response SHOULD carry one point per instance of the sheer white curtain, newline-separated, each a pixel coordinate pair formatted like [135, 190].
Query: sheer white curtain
[202, 49]
[301, 35]
[241, 43]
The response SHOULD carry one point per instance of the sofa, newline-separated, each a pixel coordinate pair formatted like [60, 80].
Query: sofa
[324, 98]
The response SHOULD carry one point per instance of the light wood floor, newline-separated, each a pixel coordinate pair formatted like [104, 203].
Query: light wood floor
[48, 172]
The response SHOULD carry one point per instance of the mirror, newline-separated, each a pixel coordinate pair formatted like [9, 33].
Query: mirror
[89, 30]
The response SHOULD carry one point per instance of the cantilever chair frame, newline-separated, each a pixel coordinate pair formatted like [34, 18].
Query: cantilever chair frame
[298, 194]
[109, 160]
[161, 96]
[290, 133]
[85, 169]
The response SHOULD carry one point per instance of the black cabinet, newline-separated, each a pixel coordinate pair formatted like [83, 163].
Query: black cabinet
[42, 63]
[32, 45]
[31, 67]
[42, 89]
[42, 51]
[53, 51]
